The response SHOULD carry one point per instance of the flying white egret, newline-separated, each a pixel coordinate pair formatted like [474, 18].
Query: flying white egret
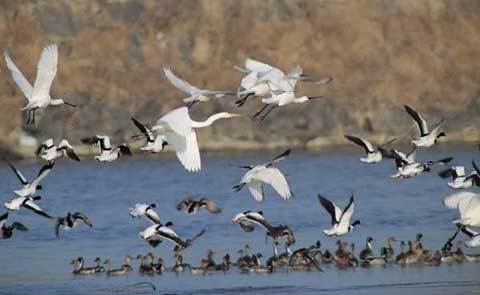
[468, 204]
[30, 188]
[373, 155]
[39, 95]
[50, 152]
[179, 131]
[196, 94]
[107, 153]
[265, 173]
[340, 219]
[427, 138]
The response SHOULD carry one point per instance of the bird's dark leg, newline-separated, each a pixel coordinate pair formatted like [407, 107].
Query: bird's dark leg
[29, 113]
[33, 121]
[260, 111]
[243, 100]
[268, 112]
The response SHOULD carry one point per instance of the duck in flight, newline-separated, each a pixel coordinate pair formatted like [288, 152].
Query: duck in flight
[107, 153]
[50, 152]
[70, 221]
[192, 206]
[156, 232]
[146, 210]
[265, 173]
[247, 219]
[340, 219]
[459, 178]
[407, 167]
[155, 143]
[28, 203]
[196, 94]
[30, 188]
[373, 155]
[7, 230]
[38, 96]
[427, 138]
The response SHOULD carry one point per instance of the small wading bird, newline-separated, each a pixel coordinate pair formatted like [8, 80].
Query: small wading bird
[373, 155]
[26, 202]
[340, 220]
[39, 95]
[146, 210]
[196, 94]
[258, 175]
[179, 131]
[7, 230]
[50, 152]
[155, 144]
[107, 153]
[70, 221]
[427, 138]
[30, 188]
[192, 206]
[154, 233]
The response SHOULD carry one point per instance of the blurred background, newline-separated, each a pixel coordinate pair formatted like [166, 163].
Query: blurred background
[381, 55]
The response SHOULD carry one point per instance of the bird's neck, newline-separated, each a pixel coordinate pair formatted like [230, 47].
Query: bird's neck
[56, 102]
[210, 120]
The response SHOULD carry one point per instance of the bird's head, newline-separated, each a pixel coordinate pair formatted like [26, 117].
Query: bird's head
[60, 101]
[153, 205]
[238, 218]
[39, 187]
[419, 236]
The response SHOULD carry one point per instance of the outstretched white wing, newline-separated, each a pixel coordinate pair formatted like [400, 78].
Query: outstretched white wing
[177, 120]
[186, 148]
[257, 66]
[179, 83]
[18, 77]
[46, 71]
[459, 201]
[276, 179]
[344, 221]
[256, 189]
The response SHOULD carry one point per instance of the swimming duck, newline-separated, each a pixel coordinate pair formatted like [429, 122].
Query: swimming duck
[390, 251]
[179, 265]
[458, 254]
[128, 263]
[367, 251]
[435, 260]
[114, 272]
[158, 267]
[89, 270]
[401, 257]
[377, 260]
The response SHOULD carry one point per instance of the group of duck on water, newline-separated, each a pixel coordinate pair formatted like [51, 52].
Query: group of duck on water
[311, 258]
[177, 129]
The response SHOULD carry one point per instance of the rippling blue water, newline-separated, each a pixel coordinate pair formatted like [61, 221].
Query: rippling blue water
[36, 262]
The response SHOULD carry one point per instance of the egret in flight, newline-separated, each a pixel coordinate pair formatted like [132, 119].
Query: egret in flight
[39, 95]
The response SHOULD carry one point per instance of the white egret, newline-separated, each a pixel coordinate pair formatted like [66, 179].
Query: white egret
[179, 131]
[39, 95]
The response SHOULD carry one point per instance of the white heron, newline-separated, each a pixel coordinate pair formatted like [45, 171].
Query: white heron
[340, 219]
[373, 155]
[196, 94]
[264, 173]
[30, 188]
[179, 131]
[468, 204]
[427, 138]
[39, 95]
[50, 152]
[107, 153]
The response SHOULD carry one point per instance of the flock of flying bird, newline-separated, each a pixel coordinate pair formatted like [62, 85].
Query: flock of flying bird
[177, 129]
